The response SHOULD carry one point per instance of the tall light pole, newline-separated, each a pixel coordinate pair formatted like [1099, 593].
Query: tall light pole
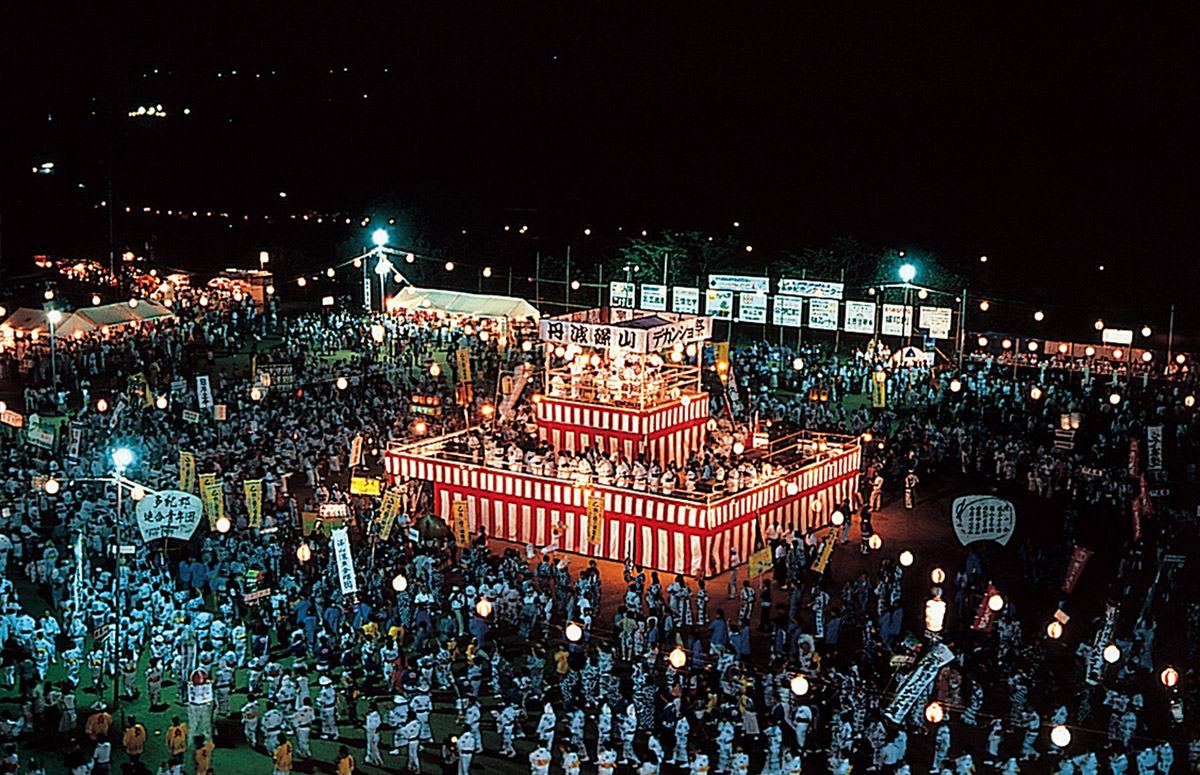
[55, 317]
[379, 238]
[907, 273]
[122, 457]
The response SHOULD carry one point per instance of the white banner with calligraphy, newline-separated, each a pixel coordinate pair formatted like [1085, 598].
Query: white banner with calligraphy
[204, 396]
[823, 314]
[860, 317]
[752, 307]
[344, 559]
[937, 321]
[739, 283]
[1154, 448]
[654, 297]
[685, 300]
[812, 288]
[168, 514]
[983, 518]
[621, 332]
[897, 320]
[915, 686]
[719, 304]
[788, 311]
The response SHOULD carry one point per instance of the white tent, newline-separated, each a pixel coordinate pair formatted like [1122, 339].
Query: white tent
[27, 319]
[479, 305]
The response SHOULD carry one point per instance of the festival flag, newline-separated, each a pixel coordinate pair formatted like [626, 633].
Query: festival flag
[985, 616]
[213, 497]
[1079, 558]
[460, 523]
[254, 501]
[595, 514]
[187, 471]
[879, 390]
[388, 511]
[462, 361]
[822, 560]
[356, 451]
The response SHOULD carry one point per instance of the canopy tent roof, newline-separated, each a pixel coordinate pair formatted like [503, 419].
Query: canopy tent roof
[85, 320]
[479, 305]
[121, 313]
[27, 319]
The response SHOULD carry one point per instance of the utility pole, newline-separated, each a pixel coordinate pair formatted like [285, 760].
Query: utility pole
[962, 328]
[567, 282]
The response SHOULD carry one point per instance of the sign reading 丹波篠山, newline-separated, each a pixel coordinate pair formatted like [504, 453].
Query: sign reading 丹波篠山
[983, 518]
[616, 335]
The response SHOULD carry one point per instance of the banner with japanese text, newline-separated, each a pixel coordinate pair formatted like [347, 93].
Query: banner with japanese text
[595, 515]
[389, 509]
[685, 300]
[187, 471]
[752, 307]
[253, 489]
[860, 317]
[823, 314]
[654, 297]
[788, 311]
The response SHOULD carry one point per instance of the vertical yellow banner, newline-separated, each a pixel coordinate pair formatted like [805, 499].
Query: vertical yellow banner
[388, 511]
[254, 501]
[187, 471]
[879, 390]
[462, 357]
[595, 514]
[213, 497]
[461, 523]
[826, 552]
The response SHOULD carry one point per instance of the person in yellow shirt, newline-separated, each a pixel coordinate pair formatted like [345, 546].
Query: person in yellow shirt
[98, 723]
[177, 740]
[202, 756]
[345, 762]
[283, 757]
[134, 740]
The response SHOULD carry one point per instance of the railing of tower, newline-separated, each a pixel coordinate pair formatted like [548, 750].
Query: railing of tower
[653, 389]
[777, 459]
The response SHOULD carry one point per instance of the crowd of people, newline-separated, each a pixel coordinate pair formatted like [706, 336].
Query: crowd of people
[242, 642]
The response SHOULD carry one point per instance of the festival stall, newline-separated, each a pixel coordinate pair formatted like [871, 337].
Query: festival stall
[628, 381]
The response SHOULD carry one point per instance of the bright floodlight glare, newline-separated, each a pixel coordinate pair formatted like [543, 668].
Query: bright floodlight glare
[379, 237]
[799, 685]
[908, 272]
[54, 316]
[122, 457]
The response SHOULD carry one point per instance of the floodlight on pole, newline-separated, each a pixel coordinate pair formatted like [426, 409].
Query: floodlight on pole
[379, 237]
[908, 273]
[122, 458]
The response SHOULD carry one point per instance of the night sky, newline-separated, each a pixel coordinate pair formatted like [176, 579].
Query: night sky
[1052, 143]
